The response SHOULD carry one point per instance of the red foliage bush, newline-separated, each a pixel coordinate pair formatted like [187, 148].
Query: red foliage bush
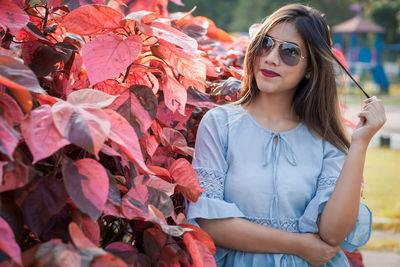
[99, 110]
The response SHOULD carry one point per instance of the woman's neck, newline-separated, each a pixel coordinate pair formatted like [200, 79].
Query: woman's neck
[273, 106]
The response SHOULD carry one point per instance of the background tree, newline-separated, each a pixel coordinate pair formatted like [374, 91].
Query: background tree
[387, 15]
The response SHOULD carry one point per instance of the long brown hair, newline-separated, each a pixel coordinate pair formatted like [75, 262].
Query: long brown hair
[316, 100]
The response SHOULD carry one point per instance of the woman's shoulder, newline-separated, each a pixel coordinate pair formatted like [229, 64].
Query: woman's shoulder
[224, 113]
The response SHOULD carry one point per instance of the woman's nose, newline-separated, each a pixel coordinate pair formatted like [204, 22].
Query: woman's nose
[272, 56]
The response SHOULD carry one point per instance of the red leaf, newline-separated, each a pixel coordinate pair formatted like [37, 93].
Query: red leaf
[111, 87]
[218, 34]
[160, 171]
[10, 110]
[109, 55]
[90, 96]
[92, 19]
[150, 143]
[199, 252]
[46, 99]
[85, 125]
[78, 237]
[57, 254]
[134, 203]
[40, 134]
[138, 106]
[192, 69]
[176, 141]
[153, 242]
[12, 16]
[107, 260]
[8, 139]
[8, 245]
[46, 200]
[169, 34]
[174, 119]
[15, 176]
[202, 236]
[16, 75]
[157, 217]
[183, 174]
[125, 137]
[140, 77]
[124, 251]
[87, 184]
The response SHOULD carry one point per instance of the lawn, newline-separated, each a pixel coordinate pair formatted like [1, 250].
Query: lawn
[382, 184]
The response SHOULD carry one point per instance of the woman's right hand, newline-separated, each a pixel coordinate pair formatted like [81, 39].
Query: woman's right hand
[315, 251]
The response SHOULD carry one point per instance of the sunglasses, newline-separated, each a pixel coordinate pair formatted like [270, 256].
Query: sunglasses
[290, 53]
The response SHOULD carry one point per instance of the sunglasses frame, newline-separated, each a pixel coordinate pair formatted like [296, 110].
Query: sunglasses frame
[278, 42]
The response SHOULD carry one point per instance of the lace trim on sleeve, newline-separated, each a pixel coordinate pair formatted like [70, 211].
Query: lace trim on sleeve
[212, 181]
[326, 182]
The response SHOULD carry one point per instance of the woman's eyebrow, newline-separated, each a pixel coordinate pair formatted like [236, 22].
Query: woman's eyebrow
[283, 41]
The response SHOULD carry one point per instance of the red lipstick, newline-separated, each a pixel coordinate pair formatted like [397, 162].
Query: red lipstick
[269, 73]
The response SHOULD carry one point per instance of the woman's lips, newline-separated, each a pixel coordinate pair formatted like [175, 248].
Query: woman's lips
[269, 73]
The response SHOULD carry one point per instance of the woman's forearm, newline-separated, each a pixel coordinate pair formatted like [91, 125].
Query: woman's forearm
[341, 211]
[241, 234]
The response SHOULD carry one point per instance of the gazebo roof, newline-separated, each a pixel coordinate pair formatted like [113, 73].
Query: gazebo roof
[358, 25]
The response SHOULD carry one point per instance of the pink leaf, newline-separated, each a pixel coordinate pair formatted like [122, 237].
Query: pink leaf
[12, 16]
[78, 237]
[141, 16]
[92, 19]
[84, 125]
[134, 203]
[8, 245]
[89, 227]
[156, 183]
[41, 136]
[169, 34]
[109, 55]
[177, 2]
[126, 138]
[10, 110]
[87, 184]
[139, 106]
[176, 141]
[174, 93]
[192, 69]
[8, 139]
[91, 96]
[15, 176]
[174, 119]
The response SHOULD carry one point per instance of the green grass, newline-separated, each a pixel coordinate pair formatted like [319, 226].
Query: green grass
[382, 183]
[356, 96]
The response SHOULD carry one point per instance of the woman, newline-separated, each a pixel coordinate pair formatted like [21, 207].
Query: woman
[282, 180]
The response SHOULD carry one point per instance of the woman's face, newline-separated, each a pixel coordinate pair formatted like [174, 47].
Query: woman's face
[272, 74]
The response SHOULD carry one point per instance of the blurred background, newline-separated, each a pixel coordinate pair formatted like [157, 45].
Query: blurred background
[367, 32]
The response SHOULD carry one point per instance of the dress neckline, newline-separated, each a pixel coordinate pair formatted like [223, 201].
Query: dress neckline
[266, 129]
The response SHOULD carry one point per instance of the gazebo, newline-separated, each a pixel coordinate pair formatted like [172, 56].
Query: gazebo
[353, 38]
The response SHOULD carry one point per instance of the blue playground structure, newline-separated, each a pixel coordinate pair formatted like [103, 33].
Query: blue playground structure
[361, 43]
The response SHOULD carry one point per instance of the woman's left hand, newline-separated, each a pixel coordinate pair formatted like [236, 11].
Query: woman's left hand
[372, 118]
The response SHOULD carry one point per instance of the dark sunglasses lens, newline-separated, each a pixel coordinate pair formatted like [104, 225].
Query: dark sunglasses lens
[268, 43]
[290, 54]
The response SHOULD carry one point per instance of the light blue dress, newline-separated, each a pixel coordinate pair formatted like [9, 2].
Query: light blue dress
[284, 186]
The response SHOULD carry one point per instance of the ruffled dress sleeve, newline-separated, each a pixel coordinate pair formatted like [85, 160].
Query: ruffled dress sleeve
[333, 161]
[210, 165]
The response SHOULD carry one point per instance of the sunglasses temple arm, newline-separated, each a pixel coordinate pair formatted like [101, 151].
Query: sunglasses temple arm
[348, 73]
